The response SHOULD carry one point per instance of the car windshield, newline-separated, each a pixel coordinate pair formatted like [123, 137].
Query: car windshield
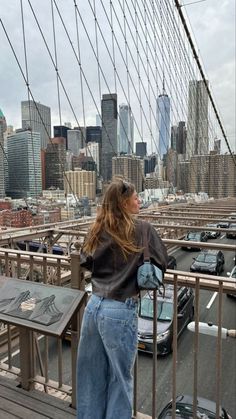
[187, 411]
[205, 257]
[232, 226]
[192, 236]
[164, 309]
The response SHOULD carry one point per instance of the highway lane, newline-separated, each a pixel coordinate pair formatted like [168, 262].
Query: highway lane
[206, 354]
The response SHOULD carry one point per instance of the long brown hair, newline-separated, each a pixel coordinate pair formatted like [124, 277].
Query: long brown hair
[114, 219]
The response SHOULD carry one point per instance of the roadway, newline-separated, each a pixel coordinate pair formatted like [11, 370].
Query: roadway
[206, 356]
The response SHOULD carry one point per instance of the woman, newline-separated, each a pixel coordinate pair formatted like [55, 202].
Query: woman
[108, 344]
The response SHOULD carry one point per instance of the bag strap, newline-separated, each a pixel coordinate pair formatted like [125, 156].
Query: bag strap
[146, 255]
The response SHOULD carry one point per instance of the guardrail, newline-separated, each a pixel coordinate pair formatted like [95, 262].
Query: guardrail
[39, 372]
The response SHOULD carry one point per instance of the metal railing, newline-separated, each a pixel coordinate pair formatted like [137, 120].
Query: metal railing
[35, 360]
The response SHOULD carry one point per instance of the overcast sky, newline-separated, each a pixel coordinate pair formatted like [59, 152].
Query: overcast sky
[213, 26]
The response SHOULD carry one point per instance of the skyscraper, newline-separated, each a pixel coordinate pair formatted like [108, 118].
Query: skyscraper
[3, 127]
[178, 137]
[141, 149]
[197, 124]
[163, 120]
[81, 182]
[109, 134]
[37, 117]
[61, 131]
[94, 134]
[130, 168]
[24, 164]
[93, 151]
[126, 130]
[74, 141]
[55, 163]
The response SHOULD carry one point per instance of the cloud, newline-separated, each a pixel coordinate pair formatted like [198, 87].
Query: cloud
[212, 24]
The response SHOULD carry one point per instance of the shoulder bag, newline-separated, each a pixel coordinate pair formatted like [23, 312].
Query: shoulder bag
[149, 276]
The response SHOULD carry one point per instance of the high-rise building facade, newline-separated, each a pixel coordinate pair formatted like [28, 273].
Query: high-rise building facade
[141, 149]
[178, 137]
[55, 163]
[163, 121]
[213, 173]
[126, 130]
[61, 131]
[150, 163]
[129, 168]
[197, 124]
[24, 164]
[171, 166]
[93, 151]
[74, 141]
[81, 182]
[3, 127]
[37, 117]
[94, 134]
[109, 134]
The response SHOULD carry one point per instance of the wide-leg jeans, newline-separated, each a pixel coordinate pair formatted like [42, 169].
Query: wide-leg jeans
[106, 355]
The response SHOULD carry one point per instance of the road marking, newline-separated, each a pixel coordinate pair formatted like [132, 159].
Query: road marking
[211, 300]
[222, 237]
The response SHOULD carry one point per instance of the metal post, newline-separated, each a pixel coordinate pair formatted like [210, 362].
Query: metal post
[26, 357]
[76, 278]
[154, 370]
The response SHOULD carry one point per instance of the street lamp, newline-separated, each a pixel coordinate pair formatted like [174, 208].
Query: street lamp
[212, 330]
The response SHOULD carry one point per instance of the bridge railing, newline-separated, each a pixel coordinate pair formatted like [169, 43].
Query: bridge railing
[43, 355]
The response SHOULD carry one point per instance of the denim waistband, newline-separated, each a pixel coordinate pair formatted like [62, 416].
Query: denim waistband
[129, 302]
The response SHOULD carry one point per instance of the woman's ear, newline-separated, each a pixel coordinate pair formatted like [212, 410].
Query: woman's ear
[125, 203]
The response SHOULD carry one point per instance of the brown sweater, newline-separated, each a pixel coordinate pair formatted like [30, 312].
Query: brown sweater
[113, 276]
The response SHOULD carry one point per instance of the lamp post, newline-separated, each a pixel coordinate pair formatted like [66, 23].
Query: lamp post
[212, 330]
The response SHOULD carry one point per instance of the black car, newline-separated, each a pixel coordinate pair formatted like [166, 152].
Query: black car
[165, 316]
[213, 234]
[206, 409]
[195, 236]
[209, 262]
[223, 224]
[231, 234]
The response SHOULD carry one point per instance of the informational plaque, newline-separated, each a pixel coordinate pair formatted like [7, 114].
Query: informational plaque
[43, 308]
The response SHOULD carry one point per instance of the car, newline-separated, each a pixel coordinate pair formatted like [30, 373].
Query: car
[213, 234]
[206, 409]
[195, 236]
[232, 274]
[209, 261]
[232, 216]
[165, 316]
[231, 234]
[223, 224]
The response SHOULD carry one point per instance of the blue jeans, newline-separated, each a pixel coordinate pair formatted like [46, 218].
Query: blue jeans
[106, 355]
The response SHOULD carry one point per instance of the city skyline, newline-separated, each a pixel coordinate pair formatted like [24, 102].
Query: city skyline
[43, 83]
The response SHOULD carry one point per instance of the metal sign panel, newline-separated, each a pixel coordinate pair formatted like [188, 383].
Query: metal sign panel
[43, 308]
